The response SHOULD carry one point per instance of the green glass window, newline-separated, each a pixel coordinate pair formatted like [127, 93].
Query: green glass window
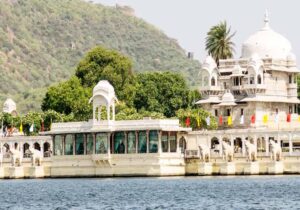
[119, 143]
[173, 142]
[89, 144]
[101, 143]
[58, 145]
[164, 141]
[79, 141]
[142, 142]
[153, 141]
[69, 144]
[131, 142]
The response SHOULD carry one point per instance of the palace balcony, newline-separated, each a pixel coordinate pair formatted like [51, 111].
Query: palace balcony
[254, 88]
[211, 90]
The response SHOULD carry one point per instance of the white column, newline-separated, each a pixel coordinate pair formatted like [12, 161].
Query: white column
[220, 145]
[114, 112]
[290, 144]
[159, 141]
[267, 144]
[243, 145]
[94, 113]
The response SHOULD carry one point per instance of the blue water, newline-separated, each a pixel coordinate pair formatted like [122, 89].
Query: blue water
[260, 192]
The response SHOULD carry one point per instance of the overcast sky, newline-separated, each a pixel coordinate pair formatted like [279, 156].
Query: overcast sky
[189, 20]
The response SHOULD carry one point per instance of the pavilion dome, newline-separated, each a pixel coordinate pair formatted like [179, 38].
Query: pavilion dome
[9, 106]
[104, 85]
[209, 63]
[266, 43]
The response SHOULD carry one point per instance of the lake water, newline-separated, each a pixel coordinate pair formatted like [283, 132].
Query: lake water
[255, 192]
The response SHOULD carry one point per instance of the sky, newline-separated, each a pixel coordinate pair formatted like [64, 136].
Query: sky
[189, 20]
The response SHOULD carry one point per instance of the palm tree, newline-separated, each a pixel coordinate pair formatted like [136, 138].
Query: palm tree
[218, 42]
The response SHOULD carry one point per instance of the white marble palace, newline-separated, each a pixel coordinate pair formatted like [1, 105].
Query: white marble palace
[254, 99]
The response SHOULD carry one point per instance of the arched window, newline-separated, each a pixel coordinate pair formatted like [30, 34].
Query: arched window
[259, 81]
[58, 145]
[89, 144]
[37, 146]
[69, 144]
[131, 142]
[182, 144]
[119, 143]
[237, 145]
[213, 81]
[101, 143]
[47, 149]
[153, 141]
[25, 150]
[142, 142]
[79, 140]
[251, 79]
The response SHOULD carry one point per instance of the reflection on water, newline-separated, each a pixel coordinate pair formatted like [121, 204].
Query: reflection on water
[263, 192]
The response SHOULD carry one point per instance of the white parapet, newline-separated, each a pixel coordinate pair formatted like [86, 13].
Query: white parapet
[205, 168]
[251, 168]
[227, 168]
[36, 172]
[275, 167]
[16, 172]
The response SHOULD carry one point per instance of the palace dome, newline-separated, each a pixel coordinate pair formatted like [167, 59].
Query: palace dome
[266, 43]
[104, 85]
[209, 63]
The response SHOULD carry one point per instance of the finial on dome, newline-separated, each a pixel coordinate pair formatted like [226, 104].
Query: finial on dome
[266, 20]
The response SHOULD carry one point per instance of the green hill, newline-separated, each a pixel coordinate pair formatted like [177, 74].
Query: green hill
[41, 42]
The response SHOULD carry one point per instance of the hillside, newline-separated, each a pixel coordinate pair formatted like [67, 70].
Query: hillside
[41, 42]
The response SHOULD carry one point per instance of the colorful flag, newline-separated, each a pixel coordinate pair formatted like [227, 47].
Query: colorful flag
[265, 119]
[208, 121]
[31, 129]
[253, 119]
[187, 121]
[21, 128]
[229, 120]
[198, 120]
[288, 118]
[220, 120]
[242, 120]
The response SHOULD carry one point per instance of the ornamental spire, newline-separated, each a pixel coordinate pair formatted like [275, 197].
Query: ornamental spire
[266, 20]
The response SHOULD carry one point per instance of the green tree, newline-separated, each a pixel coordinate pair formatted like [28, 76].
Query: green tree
[162, 92]
[104, 64]
[218, 42]
[69, 97]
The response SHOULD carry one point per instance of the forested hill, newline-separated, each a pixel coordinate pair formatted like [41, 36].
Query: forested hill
[41, 42]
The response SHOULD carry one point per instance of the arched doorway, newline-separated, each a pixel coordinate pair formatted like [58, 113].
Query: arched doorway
[26, 153]
[47, 149]
[37, 146]
[237, 145]
[215, 145]
[182, 144]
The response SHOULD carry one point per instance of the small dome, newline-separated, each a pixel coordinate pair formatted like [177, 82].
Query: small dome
[228, 97]
[104, 85]
[209, 63]
[266, 43]
[9, 106]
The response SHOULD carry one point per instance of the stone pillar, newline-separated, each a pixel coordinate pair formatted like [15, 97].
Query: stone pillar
[108, 112]
[114, 112]
[112, 144]
[147, 138]
[136, 141]
[108, 144]
[74, 145]
[220, 145]
[63, 144]
[169, 145]
[159, 142]
[94, 114]
[94, 142]
[290, 144]
[125, 143]
[243, 146]
[267, 144]
[177, 143]
[84, 143]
